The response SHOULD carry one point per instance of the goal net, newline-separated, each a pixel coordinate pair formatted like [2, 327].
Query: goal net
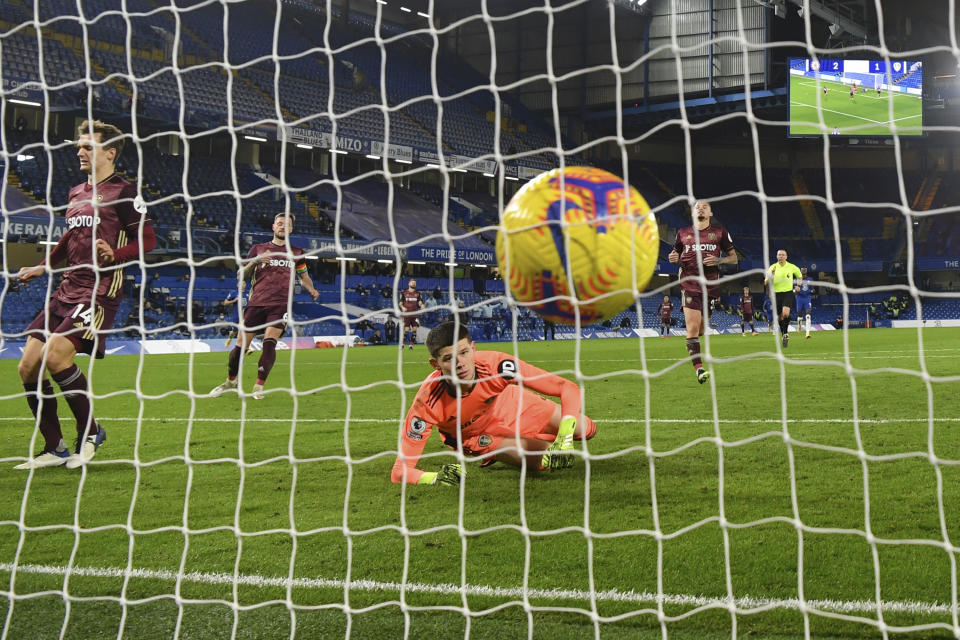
[809, 487]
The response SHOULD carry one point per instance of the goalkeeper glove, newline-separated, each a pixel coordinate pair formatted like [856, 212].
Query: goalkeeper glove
[449, 474]
[557, 455]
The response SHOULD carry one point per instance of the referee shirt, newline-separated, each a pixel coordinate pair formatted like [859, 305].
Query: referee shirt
[783, 276]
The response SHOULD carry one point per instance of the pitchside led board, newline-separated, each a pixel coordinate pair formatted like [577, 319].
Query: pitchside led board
[856, 97]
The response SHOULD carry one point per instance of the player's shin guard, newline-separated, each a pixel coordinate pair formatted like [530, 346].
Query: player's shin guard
[74, 386]
[693, 348]
[784, 326]
[807, 319]
[233, 363]
[267, 358]
[46, 405]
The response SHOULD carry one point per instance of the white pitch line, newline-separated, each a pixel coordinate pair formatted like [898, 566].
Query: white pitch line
[846, 90]
[796, 357]
[611, 421]
[515, 593]
[842, 113]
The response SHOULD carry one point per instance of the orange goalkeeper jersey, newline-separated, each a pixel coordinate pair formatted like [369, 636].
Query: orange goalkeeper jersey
[482, 409]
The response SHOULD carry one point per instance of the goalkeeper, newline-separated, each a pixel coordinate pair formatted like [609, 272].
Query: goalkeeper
[474, 401]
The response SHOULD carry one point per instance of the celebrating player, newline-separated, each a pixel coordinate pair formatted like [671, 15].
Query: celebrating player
[664, 309]
[107, 219]
[272, 266]
[746, 312]
[411, 302]
[707, 246]
[473, 399]
[803, 291]
[784, 273]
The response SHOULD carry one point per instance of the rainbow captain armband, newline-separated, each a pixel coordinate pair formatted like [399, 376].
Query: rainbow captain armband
[301, 268]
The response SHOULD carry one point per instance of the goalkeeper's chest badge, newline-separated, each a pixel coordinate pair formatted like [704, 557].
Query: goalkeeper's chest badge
[484, 440]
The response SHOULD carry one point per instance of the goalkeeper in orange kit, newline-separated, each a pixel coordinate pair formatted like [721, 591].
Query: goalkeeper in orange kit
[474, 401]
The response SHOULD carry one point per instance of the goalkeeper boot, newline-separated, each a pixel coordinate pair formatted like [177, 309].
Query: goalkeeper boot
[257, 392]
[558, 455]
[47, 458]
[702, 375]
[86, 447]
[222, 388]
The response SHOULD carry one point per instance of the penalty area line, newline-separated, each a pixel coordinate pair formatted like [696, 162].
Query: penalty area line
[514, 593]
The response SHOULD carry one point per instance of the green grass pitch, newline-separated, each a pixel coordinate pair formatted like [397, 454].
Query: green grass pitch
[867, 114]
[277, 518]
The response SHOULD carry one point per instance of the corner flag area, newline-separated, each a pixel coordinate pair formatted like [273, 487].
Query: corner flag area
[866, 114]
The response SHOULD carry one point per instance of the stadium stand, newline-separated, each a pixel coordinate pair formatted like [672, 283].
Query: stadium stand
[203, 197]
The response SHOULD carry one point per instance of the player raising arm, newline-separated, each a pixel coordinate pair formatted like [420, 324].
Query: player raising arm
[784, 273]
[106, 217]
[705, 245]
[273, 267]
[473, 399]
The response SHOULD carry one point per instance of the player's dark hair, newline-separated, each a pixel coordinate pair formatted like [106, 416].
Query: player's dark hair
[442, 336]
[110, 136]
[292, 217]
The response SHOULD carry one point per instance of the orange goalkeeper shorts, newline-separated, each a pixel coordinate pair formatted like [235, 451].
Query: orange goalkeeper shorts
[534, 413]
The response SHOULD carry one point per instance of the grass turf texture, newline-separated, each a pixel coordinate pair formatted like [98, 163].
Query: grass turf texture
[866, 115]
[333, 513]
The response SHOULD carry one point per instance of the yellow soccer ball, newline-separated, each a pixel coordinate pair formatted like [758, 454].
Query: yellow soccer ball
[586, 246]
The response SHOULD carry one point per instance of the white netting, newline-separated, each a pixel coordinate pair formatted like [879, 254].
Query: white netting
[805, 490]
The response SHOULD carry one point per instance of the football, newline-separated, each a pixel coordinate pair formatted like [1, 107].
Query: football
[576, 242]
